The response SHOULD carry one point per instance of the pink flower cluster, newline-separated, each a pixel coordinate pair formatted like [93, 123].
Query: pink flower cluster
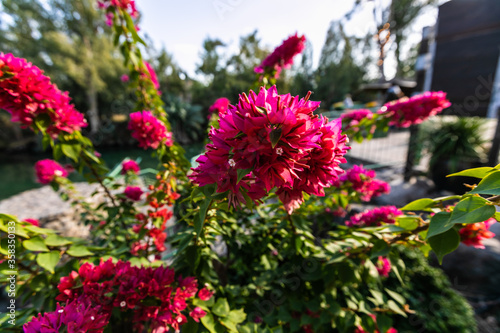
[383, 266]
[47, 170]
[78, 315]
[414, 110]
[156, 298]
[148, 130]
[473, 234]
[126, 5]
[282, 56]
[353, 117]
[363, 181]
[26, 93]
[269, 140]
[220, 106]
[375, 217]
[130, 166]
[152, 75]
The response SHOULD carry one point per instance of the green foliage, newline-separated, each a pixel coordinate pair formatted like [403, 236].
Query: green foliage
[438, 308]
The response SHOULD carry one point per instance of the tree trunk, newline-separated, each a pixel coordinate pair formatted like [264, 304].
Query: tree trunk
[93, 111]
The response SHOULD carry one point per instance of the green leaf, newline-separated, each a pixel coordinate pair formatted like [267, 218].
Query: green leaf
[439, 223]
[394, 307]
[209, 323]
[39, 282]
[421, 204]
[384, 323]
[380, 248]
[221, 308]
[368, 323]
[408, 222]
[472, 210]
[475, 172]
[489, 185]
[79, 251]
[229, 325]
[71, 149]
[48, 260]
[275, 136]
[56, 240]
[200, 217]
[237, 316]
[242, 173]
[395, 296]
[444, 243]
[35, 244]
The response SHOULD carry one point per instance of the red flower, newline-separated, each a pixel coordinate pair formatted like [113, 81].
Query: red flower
[383, 266]
[414, 110]
[148, 130]
[152, 75]
[47, 170]
[26, 94]
[277, 142]
[133, 193]
[473, 234]
[220, 106]
[354, 117]
[204, 294]
[282, 56]
[34, 222]
[130, 165]
[375, 217]
[362, 181]
[197, 313]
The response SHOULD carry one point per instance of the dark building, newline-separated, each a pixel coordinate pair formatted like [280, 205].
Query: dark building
[460, 55]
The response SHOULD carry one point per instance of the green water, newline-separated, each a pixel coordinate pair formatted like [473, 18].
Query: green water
[17, 173]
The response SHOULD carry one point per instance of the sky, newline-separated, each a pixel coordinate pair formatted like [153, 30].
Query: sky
[181, 26]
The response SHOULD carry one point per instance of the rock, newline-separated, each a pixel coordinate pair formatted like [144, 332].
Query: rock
[47, 206]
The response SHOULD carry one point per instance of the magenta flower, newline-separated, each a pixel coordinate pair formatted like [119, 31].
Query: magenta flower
[362, 181]
[204, 294]
[26, 93]
[47, 170]
[197, 313]
[120, 287]
[77, 316]
[152, 75]
[383, 266]
[414, 110]
[220, 106]
[124, 78]
[34, 222]
[282, 56]
[134, 193]
[353, 117]
[130, 165]
[278, 142]
[126, 5]
[148, 130]
[375, 217]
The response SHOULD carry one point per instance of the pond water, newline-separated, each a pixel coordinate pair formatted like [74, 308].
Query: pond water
[17, 172]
